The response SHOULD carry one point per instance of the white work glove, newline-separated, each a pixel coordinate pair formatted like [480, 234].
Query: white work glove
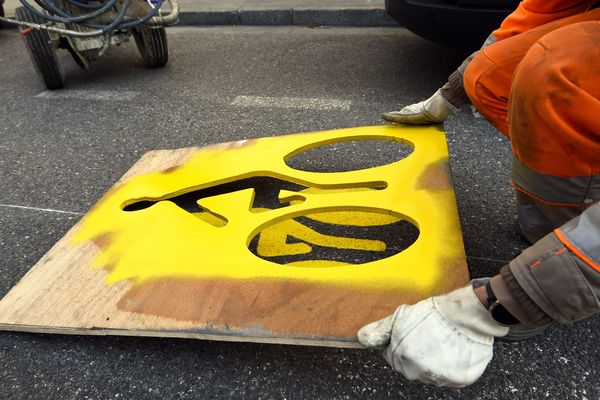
[434, 110]
[445, 340]
[438, 107]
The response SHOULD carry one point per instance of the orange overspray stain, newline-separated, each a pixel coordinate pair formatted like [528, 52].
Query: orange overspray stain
[278, 308]
[104, 240]
[436, 176]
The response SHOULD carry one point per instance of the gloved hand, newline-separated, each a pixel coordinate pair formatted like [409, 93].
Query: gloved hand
[444, 102]
[445, 340]
[431, 111]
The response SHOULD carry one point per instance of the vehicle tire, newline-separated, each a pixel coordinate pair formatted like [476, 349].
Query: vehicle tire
[40, 49]
[1, 13]
[152, 44]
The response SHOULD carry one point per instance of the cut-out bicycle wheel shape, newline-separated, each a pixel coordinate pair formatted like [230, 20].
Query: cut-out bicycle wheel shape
[229, 242]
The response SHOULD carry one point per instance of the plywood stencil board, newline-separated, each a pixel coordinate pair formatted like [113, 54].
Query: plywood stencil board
[230, 242]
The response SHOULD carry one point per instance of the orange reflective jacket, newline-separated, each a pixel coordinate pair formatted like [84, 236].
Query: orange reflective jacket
[533, 13]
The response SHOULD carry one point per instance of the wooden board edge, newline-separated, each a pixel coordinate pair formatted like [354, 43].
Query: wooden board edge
[177, 157]
[145, 165]
[179, 335]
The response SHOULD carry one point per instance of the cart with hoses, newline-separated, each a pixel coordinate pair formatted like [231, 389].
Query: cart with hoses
[87, 28]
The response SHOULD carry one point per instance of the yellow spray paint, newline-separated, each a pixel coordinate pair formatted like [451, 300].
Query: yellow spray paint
[164, 240]
[273, 240]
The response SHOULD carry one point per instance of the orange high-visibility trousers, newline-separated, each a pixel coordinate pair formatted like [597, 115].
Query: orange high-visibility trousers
[542, 89]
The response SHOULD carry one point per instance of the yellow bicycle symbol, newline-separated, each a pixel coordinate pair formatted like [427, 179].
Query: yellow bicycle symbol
[201, 220]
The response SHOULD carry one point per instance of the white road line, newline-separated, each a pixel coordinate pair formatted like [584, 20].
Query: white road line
[104, 95]
[40, 209]
[291, 102]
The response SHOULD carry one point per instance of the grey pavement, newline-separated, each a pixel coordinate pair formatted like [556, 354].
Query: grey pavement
[276, 12]
[63, 153]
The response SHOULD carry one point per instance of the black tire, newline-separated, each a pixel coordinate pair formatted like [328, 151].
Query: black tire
[152, 44]
[1, 13]
[40, 49]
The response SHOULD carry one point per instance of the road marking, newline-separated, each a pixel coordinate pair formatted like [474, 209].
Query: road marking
[40, 209]
[104, 95]
[488, 259]
[291, 102]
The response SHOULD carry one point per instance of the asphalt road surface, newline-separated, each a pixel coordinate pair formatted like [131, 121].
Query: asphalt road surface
[59, 152]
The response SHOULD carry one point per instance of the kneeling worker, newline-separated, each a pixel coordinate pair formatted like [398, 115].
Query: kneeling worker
[536, 80]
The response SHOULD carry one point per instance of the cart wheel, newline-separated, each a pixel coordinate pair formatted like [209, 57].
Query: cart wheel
[40, 49]
[152, 44]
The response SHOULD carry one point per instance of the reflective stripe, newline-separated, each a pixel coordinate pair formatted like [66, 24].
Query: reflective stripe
[573, 191]
[583, 234]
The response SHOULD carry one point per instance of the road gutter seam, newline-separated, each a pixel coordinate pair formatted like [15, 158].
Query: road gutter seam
[304, 16]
